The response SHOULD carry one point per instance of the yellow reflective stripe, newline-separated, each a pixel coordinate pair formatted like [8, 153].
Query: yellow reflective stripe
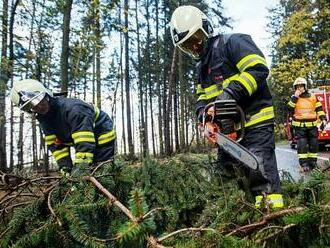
[84, 139]
[83, 157]
[202, 97]
[304, 124]
[199, 90]
[318, 104]
[312, 155]
[211, 92]
[50, 139]
[228, 80]
[58, 154]
[248, 82]
[83, 136]
[320, 113]
[291, 104]
[82, 133]
[107, 137]
[249, 61]
[302, 155]
[274, 200]
[263, 115]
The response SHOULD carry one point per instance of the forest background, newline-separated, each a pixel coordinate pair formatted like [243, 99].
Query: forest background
[119, 55]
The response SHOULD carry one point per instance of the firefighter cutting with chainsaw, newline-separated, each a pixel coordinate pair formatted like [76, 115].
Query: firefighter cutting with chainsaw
[67, 122]
[306, 108]
[232, 93]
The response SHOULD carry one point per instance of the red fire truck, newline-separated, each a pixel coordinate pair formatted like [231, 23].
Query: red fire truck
[322, 92]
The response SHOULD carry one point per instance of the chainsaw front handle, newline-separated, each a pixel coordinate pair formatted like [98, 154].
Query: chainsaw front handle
[224, 109]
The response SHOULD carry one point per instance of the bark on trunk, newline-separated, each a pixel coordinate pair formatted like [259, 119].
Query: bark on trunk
[65, 45]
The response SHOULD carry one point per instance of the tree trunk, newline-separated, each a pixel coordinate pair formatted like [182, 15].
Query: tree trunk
[168, 111]
[98, 46]
[127, 84]
[3, 84]
[20, 147]
[143, 134]
[149, 79]
[182, 102]
[65, 45]
[34, 143]
[176, 121]
[158, 82]
[10, 75]
[122, 90]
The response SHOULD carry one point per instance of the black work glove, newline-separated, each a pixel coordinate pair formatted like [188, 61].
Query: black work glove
[65, 172]
[323, 125]
[227, 126]
[224, 96]
[200, 115]
[80, 170]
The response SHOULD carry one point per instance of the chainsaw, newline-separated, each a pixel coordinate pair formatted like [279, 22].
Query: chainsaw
[228, 109]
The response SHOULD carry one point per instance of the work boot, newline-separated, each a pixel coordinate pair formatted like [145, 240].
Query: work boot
[273, 201]
[312, 165]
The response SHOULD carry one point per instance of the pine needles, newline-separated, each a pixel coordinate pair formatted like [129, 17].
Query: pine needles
[179, 202]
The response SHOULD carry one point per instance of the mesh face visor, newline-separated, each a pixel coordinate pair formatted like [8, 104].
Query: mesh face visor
[28, 100]
[195, 44]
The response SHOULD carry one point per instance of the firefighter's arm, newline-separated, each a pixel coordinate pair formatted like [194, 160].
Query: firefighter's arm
[81, 118]
[201, 102]
[319, 111]
[251, 64]
[60, 152]
[292, 103]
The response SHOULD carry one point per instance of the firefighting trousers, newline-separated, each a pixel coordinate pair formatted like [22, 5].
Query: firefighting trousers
[307, 145]
[104, 152]
[260, 141]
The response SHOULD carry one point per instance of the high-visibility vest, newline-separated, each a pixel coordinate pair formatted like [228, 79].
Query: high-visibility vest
[305, 108]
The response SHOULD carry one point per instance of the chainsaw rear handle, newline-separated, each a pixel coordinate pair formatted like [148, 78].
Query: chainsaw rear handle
[226, 109]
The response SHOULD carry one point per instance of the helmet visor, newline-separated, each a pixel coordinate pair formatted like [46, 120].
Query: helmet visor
[194, 46]
[29, 100]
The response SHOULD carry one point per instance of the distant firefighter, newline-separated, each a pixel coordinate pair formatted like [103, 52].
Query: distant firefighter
[306, 108]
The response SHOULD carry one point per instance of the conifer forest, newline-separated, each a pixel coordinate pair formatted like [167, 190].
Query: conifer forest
[164, 186]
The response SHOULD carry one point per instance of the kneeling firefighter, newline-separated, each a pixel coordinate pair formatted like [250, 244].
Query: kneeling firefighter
[67, 122]
[231, 67]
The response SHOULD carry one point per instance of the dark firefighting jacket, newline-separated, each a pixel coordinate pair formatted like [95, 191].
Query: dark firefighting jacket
[306, 108]
[73, 122]
[233, 63]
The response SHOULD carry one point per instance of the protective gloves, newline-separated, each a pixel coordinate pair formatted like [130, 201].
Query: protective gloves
[227, 125]
[80, 170]
[65, 172]
[224, 96]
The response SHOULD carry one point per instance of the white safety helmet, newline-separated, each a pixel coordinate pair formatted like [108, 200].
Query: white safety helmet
[190, 28]
[28, 93]
[300, 81]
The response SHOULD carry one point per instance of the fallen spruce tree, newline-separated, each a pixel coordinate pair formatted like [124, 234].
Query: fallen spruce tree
[178, 202]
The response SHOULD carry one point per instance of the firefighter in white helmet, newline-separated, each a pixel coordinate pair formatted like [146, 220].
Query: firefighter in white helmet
[231, 67]
[67, 122]
[305, 108]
